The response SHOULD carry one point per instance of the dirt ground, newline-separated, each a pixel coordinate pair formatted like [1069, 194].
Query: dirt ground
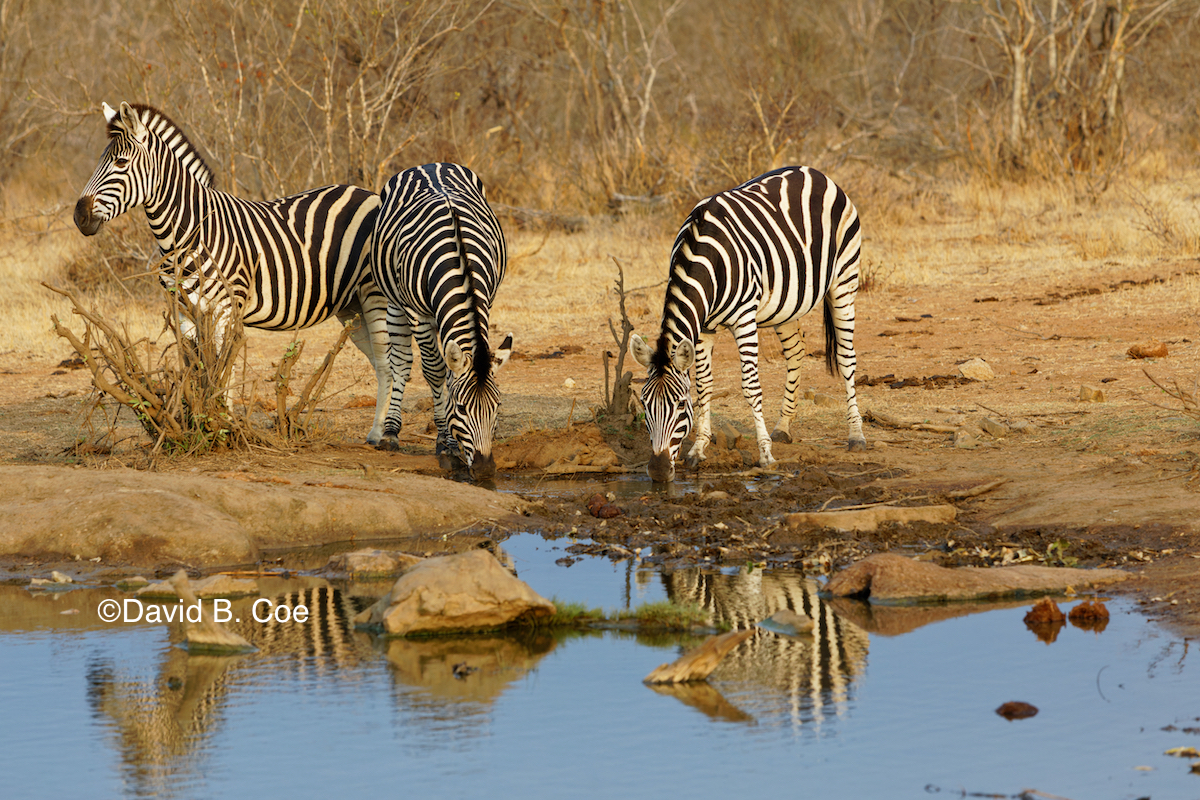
[1066, 481]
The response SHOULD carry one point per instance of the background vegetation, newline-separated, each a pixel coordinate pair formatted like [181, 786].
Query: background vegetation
[1064, 113]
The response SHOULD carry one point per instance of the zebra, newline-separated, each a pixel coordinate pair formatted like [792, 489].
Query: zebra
[759, 255]
[438, 255]
[290, 263]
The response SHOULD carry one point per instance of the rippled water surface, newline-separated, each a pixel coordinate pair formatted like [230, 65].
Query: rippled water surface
[886, 703]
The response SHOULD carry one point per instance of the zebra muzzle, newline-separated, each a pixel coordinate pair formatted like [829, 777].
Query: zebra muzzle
[661, 467]
[483, 467]
[85, 220]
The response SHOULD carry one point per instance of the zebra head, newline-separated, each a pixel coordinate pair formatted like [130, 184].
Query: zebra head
[122, 180]
[127, 175]
[474, 401]
[667, 398]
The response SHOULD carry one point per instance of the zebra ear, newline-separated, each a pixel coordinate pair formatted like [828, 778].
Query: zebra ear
[133, 123]
[110, 113]
[640, 351]
[502, 354]
[684, 355]
[456, 360]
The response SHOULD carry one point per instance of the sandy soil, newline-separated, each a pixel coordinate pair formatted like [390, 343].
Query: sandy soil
[1113, 483]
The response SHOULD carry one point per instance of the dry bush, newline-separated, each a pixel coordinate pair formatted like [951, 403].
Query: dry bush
[1188, 398]
[181, 394]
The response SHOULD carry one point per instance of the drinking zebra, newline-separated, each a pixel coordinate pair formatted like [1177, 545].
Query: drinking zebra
[438, 255]
[290, 263]
[759, 255]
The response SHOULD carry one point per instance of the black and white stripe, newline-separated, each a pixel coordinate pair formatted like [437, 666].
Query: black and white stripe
[760, 255]
[812, 676]
[290, 263]
[438, 254]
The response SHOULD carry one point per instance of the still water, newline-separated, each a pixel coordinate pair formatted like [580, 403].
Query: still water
[878, 703]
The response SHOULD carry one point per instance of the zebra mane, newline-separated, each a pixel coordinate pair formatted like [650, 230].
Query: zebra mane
[481, 354]
[173, 137]
[662, 357]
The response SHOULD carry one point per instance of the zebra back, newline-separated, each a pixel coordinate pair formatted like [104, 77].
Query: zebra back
[439, 255]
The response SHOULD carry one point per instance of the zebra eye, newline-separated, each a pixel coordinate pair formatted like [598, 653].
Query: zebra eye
[121, 162]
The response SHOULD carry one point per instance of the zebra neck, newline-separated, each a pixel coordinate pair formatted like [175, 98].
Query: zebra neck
[178, 204]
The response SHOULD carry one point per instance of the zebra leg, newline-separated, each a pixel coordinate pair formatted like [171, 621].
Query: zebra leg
[433, 365]
[371, 336]
[704, 349]
[840, 313]
[746, 334]
[793, 352]
[399, 361]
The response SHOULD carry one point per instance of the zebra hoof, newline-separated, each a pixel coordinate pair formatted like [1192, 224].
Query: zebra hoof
[389, 444]
[857, 445]
[781, 436]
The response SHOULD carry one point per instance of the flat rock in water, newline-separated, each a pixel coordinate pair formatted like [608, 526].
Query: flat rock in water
[463, 592]
[371, 561]
[887, 577]
[698, 664]
[207, 635]
[212, 586]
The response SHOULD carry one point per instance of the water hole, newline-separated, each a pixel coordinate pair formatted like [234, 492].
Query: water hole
[876, 703]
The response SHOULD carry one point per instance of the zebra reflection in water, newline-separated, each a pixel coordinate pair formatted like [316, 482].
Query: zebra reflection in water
[159, 721]
[811, 677]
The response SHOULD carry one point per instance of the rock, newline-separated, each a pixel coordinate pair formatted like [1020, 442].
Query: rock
[212, 586]
[787, 622]
[964, 440]
[1017, 710]
[467, 591]
[59, 577]
[994, 427]
[1151, 349]
[207, 635]
[1090, 615]
[868, 519]
[569, 383]
[698, 664]
[1091, 394]
[1020, 425]
[725, 436]
[1043, 611]
[827, 401]
[146, 518]
[370, 561]
[887, 577]
[129, 584]
[977, 370]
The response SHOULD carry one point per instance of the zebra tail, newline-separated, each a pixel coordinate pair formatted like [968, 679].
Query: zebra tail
[830, 336]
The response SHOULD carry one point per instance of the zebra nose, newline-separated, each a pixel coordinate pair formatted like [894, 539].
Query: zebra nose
[661, 467]
[84, 220]
[483, 467]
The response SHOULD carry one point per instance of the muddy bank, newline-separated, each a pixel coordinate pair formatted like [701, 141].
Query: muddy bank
[148, 519]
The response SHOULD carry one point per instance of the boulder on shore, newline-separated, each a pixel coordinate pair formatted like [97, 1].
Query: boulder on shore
[463, 592]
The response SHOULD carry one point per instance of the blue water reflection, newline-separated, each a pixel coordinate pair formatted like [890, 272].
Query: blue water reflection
[870, 706]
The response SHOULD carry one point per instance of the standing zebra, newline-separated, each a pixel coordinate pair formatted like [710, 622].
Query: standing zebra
[290, 262]
[760, 255]
[438, 255]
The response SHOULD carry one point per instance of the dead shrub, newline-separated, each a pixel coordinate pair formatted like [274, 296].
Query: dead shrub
[1188, 399]
[180, 394]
